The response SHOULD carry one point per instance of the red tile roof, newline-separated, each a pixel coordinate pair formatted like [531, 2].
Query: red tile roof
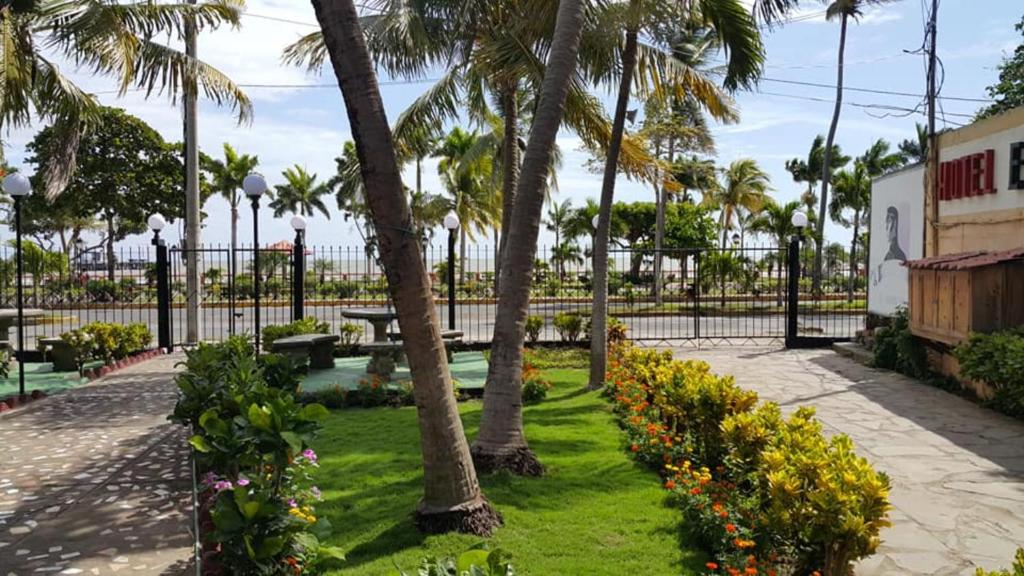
[966, 260]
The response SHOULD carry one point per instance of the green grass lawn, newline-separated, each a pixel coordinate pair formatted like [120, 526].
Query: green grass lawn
[594, 513]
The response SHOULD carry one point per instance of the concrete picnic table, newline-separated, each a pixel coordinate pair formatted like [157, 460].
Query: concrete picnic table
[380, 318]
[9, 316]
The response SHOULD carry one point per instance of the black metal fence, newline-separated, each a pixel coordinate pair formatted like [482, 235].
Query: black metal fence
[735, 295]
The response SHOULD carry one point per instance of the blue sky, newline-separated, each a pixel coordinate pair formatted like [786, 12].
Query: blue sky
[307, 126]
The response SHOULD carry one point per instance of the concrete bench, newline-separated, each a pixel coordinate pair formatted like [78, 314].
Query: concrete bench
[385, 356]
[61, 354]
[319, 348]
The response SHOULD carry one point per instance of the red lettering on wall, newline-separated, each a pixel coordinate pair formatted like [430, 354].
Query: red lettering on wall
[967, 176]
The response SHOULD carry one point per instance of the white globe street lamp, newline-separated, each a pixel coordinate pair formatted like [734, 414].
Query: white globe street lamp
[18, 186]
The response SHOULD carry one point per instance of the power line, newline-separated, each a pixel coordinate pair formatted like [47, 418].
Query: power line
[857, 104]
[873, 90]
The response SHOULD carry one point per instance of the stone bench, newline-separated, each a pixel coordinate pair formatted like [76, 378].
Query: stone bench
[319, 348]
[385, 356]
[450, 337]
[61, 354]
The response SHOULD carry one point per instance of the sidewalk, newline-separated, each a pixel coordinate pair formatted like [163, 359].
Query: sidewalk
[957, 469]
[96, 480]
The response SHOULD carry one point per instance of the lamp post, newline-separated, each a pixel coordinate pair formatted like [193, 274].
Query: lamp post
[157, 223]
[593, 242]
[736, 240]
[799, 221]
[18, 186]
[299, 268]
[79, 253]
[451, 223]
[255, 186]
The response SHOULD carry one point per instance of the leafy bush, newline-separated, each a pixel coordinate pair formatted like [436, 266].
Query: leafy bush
[101, 290]
[308, 325]
[341, 289]
[897, 349]
[568, 325]
[351, 333]
[534, 325]
[761, 493]
[370, 393]
[243, 287]
[251, 441]
[475, 562]
[107, 341]
[997, 360]
[1018, 567]
[535, 388]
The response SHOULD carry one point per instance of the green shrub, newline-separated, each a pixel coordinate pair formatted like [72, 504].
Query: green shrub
[1018, 567]
[107, 341]
[534, 325]
[475, 562]
[101, 290]
[897, 349]
[305, 326]
[535, 387]
[997, 360]
[568, 325]
[351, 333]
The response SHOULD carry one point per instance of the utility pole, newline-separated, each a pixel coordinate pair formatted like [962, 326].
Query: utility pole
[193, 258]
[931, 231]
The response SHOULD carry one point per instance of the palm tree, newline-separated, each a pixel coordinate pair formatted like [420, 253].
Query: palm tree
[744, 186]
[227, 176]
[501, 443]
[809, 170]
[130, 42]
[452, 497]
[559, 214]
[844, 10]
[877, 160]
[736, 29]
[852, 191]
[468, 181]
[300, 194]
[776, 220]
[916, 151]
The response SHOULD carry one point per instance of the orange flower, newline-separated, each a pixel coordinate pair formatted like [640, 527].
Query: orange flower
[733, 572]
[634, 448]
[670, 485]
[751, 560]
[712, 566]
[750, 571]
[815, 573]
[695, 491]
[730, 528]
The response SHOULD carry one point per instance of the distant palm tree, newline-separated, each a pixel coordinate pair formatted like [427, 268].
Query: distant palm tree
[300, 194]
[852, 191]
[844, 10]
[877, 160]
[744, 185]
[694, 174]
[124, 40]
[776, 220]
[227, 176]
[809, 170]
[559, 214]
[916, 151]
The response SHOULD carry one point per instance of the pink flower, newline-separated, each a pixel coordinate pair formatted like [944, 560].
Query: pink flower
[209, 479]
[292, 503]
[223, 485]
[308, 454]
[315, 492]
[242, 481]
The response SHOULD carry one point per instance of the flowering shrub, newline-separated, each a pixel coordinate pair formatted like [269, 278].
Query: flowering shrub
[534, 325]
[762, 493]
[535, 388]
[478, 561]
[251, 439]
[107, 341]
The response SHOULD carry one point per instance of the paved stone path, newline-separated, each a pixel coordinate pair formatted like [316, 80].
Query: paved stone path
[96, 481]
[957, 469]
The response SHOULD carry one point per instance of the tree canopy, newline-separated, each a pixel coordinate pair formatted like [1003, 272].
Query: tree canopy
[1008, 92]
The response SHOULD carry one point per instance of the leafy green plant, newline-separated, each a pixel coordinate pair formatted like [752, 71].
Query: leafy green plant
[107, 341]
[997, 360]
[308, 325]
[478, 561]
[534, 325]
[81, 344]
[351, 333]
[1018, 567]
[897, 349]
[535, 387]
[568, 325]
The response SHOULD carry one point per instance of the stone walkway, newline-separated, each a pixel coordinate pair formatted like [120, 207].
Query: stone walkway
[96, 481]
[957, 469]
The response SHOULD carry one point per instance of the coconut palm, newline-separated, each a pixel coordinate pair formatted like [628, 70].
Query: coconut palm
[844, 10]
[130, 42]
[226, 179]
[916, 151]
[559, 214]
[452, 497]
[877, 160]
[744, 186]
[776, 220]
[852, 192]
[300, 194]
[809, 170]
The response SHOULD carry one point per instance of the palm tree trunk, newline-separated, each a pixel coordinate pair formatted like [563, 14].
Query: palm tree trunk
[452, 497]
[853, 256]
[659, 222]
[510, 177]
[826, 170]
[501, 443]
[599, 319]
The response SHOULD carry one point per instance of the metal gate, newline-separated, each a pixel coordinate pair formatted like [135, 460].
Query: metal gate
[833, 311]
[217, 293]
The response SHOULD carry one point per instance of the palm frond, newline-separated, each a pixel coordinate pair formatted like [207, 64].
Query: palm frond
[431, 110]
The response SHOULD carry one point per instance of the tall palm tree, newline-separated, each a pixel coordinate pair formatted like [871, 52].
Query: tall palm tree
[776, 220]
[852, 192]
[736, 29]
[501, 443]
[877, 159]
[694, 173]
[467, 179]
[844, 10]
[809, 170]
[452, 498]
[744, 186]
[916, 151]
[130, 42]
[227, 176]
[300, 194]
[558, 216]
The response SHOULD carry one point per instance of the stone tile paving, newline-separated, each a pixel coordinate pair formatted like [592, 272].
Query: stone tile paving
[957, 469]
[96, 481]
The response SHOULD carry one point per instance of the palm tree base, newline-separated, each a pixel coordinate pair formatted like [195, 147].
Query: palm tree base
[477, 517]
[520, 460]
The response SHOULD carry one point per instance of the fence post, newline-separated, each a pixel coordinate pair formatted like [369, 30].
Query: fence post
[793, 295]
[298, 276]
[163, 295]
[451, 279]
